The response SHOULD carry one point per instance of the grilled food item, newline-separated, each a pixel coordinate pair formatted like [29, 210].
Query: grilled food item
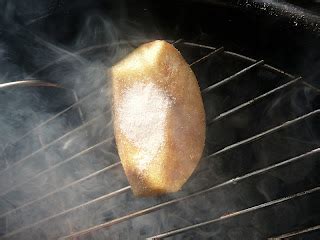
[159, 118]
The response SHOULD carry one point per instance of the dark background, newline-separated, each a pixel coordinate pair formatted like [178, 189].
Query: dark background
[281, 33]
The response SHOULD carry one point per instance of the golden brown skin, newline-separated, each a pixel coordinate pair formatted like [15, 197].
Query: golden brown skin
[161, 64]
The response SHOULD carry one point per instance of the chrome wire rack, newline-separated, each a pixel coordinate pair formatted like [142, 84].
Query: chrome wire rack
[258, 177]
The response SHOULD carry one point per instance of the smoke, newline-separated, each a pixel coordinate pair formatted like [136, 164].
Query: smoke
[55, 180]
[63, 163]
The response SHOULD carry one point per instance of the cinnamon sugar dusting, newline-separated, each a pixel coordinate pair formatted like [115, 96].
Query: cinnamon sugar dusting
[142, 115]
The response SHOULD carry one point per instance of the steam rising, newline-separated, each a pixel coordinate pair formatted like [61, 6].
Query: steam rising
[55, 180]
[47, 171]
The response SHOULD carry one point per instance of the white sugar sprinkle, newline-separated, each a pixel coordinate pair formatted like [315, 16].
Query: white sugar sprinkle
[142, 114]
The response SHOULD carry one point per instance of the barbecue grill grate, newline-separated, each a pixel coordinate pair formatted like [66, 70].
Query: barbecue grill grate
[235, 161]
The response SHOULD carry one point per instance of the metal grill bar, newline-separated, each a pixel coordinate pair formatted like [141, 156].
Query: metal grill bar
[177, 41]
[234, 76]
[76, 103]
[65, 135]
[271, 68]
[109, 195]
[80, 127]
[162, 205]
[79, 109]
[141, 41]
[288, 123]
[265, 133]
[53, 142]
[219, 50]
[311, 86]
[38, 83]
[40, 140]
[159, 206]
[28, 83]
[277, 70]
[84, 50]
[47, 121]
[55, 166]
[103, 170]
[244, 211]
[198, 45]
[296, 233]
[156, 207]
[254, 100]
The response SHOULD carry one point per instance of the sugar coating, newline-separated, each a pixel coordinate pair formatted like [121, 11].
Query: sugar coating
[142, 115]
